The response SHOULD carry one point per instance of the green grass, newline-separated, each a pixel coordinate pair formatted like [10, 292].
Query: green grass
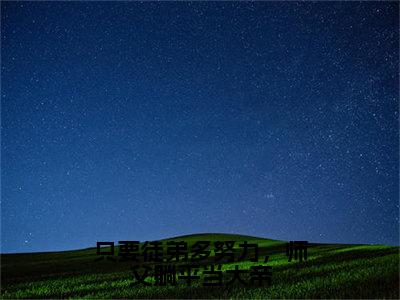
[331, 271]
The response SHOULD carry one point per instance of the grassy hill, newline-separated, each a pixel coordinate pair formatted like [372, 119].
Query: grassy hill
[331, 271]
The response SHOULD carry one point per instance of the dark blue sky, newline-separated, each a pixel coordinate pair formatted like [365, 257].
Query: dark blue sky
[141, 121]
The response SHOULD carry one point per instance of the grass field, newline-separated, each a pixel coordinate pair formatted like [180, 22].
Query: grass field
[331, 271]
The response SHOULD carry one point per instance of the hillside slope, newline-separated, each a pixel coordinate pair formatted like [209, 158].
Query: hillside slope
[331, 271]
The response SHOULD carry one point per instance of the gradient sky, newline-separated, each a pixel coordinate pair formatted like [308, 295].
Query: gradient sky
[138, 121]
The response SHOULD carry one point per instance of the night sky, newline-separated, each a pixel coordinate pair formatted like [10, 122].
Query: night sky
[139, 121]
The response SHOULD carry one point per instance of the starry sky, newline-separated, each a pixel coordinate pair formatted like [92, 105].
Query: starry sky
[139, 121]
